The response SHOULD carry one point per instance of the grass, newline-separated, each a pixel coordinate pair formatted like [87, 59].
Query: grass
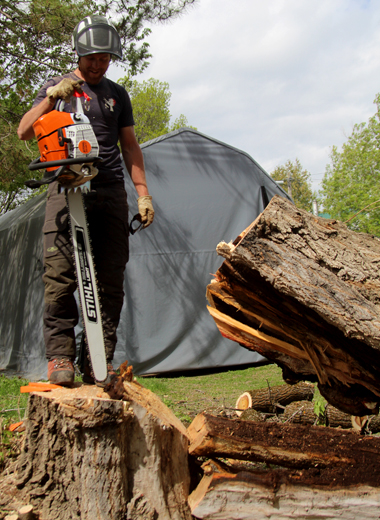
[12, 409]
[189, 395]
[12, 403]
[186, 396]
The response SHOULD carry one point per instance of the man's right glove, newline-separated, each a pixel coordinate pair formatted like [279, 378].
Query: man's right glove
[146, 210]
[64, 90]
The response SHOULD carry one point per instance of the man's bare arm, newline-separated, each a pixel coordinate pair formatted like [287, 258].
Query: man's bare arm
[133, 159]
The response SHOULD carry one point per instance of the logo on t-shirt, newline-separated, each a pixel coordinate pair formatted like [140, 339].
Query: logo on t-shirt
[109, 103]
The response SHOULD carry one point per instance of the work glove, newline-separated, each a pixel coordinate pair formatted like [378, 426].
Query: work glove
[146, 210]
[64, 90]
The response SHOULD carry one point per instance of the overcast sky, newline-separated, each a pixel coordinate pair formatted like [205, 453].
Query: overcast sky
[278, 79]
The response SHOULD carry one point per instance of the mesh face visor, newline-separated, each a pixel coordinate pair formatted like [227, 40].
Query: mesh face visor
[100, 38]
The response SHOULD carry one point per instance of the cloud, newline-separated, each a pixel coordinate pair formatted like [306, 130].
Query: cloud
[279, 79]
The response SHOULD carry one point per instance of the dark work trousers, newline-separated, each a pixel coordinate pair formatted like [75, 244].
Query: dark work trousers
[107, 216]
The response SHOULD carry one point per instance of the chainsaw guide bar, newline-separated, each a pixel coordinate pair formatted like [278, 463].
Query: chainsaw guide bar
[86, 282]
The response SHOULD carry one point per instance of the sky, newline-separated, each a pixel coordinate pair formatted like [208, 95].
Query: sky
[278, 79]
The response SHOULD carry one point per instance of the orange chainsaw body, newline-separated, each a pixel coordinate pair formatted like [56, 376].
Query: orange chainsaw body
[64, 135]
[50, 131]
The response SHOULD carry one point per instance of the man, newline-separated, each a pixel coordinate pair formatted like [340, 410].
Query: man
[94, 39]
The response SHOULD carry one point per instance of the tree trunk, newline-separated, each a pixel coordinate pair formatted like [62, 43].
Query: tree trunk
[89, 457]
[268, 399]
[304, 292]
[341, 457]
[279, 494]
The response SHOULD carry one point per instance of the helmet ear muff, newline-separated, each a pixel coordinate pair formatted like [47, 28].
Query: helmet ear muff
[95, 34]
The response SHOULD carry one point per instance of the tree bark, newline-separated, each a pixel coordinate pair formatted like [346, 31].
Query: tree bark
[279, 494]
[89, 457]
[304, 292]
[341, 457]
[268, 399]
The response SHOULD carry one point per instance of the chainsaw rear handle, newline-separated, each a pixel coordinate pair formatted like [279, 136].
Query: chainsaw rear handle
[37, 164]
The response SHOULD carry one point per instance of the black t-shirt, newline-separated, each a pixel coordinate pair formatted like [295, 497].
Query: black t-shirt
[110, 110]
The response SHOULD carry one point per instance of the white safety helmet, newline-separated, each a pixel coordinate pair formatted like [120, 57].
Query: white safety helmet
[95, 34]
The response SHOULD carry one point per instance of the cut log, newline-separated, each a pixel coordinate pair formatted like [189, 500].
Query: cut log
[268, 399]
[90, 457]
[351, 459]
[280, 494]
[303, 412]
[26, 513]
[304, 292]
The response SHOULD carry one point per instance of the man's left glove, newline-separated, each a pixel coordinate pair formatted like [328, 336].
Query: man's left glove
[146, 210]
[64, 90]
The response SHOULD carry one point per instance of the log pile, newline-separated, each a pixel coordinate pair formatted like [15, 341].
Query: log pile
[304, 292]
[293, 403]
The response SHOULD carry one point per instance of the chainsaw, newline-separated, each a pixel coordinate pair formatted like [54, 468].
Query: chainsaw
[69, 154]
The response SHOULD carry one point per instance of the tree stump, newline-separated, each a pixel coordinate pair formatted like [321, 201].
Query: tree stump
[87, 456]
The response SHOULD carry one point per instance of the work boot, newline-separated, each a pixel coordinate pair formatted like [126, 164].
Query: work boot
[61, 371]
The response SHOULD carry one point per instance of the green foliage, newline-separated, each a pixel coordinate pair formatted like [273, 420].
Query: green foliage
[35, 44]
[151, 101]
[181, 122]
[299, 180]
[35, 40]
[352, 180]
[320, 404]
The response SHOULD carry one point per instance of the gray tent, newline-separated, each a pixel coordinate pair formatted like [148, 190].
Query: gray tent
[204, 191]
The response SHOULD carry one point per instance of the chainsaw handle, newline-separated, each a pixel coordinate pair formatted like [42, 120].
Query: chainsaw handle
[33, 163]
[37, 164]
